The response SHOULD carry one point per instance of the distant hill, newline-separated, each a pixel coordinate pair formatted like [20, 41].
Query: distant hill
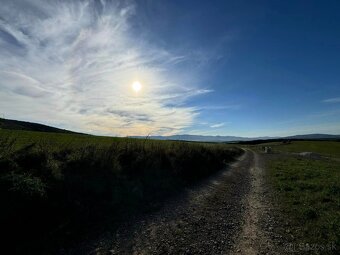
[203, 138]
[29, 126]
[314, 136]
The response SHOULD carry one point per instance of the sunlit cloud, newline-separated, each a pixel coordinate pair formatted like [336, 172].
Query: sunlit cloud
[73, 64]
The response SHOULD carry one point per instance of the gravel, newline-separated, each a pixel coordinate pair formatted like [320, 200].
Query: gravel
[229, 213]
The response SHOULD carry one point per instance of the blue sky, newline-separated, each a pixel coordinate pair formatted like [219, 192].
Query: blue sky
[246, 68]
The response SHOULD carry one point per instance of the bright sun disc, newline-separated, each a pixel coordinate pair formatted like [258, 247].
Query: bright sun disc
[136, 86]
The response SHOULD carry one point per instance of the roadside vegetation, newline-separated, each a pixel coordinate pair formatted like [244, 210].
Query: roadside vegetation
[55, 187]
[325, 148]
[308, 190]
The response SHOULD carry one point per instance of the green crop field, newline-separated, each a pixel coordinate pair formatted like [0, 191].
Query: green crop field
[54, 185]
[309, 191]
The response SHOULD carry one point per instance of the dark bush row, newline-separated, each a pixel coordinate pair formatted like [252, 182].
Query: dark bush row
[50, 194]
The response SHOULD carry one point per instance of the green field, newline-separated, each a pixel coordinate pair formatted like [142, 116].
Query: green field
[56, 140]
[327, 148]
[55, 187]
[309, 192]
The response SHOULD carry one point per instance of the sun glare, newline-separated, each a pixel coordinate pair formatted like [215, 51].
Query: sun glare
[136, 86]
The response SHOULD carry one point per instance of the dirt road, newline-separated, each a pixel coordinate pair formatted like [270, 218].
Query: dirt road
[258, 235]
[227, 214]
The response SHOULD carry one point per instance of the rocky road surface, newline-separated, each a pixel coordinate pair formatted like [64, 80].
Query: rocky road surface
[230, 213]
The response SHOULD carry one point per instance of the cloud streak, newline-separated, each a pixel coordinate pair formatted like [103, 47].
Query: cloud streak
[217, 125]
[332, 100]
[72, 64]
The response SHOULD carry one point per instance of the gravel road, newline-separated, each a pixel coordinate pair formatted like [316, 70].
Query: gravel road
[230, 213]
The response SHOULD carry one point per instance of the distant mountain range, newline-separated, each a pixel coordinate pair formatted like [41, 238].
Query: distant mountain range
[314, 136]
[29, 126]
[202, 138]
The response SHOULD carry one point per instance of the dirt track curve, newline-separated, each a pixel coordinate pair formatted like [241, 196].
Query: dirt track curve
[229, 213]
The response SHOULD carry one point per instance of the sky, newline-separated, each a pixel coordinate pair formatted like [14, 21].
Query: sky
[244, 68]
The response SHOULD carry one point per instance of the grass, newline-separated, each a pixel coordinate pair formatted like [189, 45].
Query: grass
[55, 187]
[327, 148]
[55, 140]
[23, 125]
[309, 192]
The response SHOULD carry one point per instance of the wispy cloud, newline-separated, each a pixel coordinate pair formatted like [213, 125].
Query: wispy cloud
[73, 62]
[221, 107]
[217, 125]
[332, 100]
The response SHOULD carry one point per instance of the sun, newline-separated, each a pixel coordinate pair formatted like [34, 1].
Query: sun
[136, 86]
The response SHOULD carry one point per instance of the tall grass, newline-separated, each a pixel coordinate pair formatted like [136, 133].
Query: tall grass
[51, 193]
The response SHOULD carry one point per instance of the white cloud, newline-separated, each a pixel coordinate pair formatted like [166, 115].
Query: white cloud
[217, 125]
[72, 63]
[332, 100]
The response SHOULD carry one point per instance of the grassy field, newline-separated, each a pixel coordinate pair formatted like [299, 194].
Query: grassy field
[326, 148]
[56, 140]
[309, 193]
[55, 187]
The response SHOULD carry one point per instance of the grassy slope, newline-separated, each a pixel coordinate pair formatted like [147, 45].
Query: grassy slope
[327, 148]
[56, 140]
[53, 187]
[29, 126]
[309, 193]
